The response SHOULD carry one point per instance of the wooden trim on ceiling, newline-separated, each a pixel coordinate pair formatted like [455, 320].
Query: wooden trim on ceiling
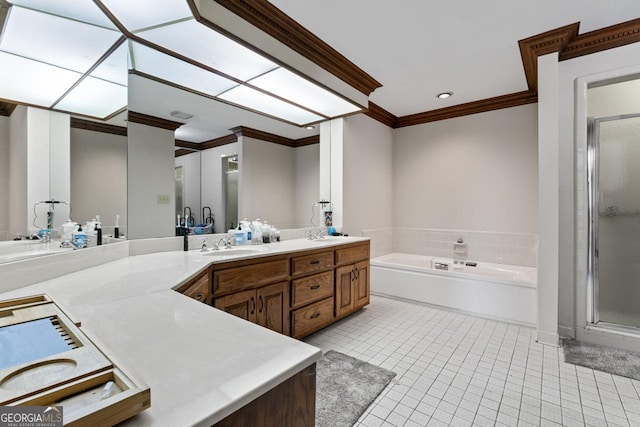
[218, 142]
[475, 107]
[280, 26]
[183, 152]
[603, 39]
[157, 122]
[309, 140]
[542, 44]
[186, 144]
[6, 108]
[380, 114]
[97, 126]
[263, 136]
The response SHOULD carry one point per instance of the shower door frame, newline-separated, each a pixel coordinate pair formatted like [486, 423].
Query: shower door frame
[593, 164]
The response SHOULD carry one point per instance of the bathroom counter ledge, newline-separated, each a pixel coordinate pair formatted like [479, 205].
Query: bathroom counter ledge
[201, 363]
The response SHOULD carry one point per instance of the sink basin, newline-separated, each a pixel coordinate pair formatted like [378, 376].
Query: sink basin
[232, 252]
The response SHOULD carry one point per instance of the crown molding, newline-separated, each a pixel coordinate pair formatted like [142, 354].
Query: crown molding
[6, 108]
[183, 152]
[280, 26]
[223, 140]
[380, 114]
[263, 136]
[309, 140]
[603, 39]
[156, 122]
[97, 126]
[542, 44]
[186, 144]
[475, 107]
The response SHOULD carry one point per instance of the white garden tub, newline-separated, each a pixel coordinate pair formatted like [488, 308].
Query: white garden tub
[497, 291]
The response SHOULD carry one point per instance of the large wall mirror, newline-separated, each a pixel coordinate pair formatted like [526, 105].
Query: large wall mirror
[259, 120]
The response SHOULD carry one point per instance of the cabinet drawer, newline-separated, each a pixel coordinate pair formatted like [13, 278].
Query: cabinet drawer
[311, 318]
[310, 263]
[249, 276]
[352, 254]
[312, 288]
[200, 290]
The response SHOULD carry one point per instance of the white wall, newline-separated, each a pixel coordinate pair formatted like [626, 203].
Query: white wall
[476, 172]
[211, 181]
[368, 175]
[4, 178]
[267, 186]
[150, 173]
[191, 183]
[18, 171]
[98, 177]
[307, 183]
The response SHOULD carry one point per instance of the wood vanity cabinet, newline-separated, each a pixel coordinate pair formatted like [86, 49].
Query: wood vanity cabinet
[198, 288]
[312, 290]
[248, 292]
[295, 294]
[352, 279]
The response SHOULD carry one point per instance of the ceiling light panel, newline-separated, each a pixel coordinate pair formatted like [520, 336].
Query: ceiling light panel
[114, 68]
[82, 99]
[139, 14]
[181, 73]
[210, 48]
[256, 100]
[80, 10]
[32, 82]
[58, 41]
[288, 85]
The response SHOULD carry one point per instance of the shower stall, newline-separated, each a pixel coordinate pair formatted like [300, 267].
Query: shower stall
[613, 188]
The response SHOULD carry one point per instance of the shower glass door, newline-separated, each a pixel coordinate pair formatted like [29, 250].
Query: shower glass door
[614, 212]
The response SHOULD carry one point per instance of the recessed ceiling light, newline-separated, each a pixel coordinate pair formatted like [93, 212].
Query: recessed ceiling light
[181, 115]
[310, 127]
[444, 95]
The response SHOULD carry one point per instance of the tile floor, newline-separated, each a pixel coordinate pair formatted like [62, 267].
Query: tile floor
[455, 369]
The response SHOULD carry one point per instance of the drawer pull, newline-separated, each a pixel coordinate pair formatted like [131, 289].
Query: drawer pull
[199, 297]
[261, 304]
[315, 287]
[315, 315]
[314, 262]
[253, 304]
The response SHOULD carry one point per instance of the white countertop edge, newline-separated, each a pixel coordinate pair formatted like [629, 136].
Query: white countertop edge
[249, 397]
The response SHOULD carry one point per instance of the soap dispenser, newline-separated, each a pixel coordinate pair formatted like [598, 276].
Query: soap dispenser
[79, 238]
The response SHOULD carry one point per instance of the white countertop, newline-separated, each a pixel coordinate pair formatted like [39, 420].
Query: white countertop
[201, 364]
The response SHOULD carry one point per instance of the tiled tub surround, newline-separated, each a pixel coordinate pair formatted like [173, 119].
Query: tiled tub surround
[485, 246]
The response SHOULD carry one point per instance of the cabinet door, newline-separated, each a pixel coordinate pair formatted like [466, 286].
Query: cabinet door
[240, 304]
[344, 290]
[361, 284]
[273, 307]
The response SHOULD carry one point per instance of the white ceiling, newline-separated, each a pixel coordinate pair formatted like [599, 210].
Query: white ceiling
[418, 48]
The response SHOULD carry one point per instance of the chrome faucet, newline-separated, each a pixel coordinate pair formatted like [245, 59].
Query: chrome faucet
[316, 236]
[71, 244]
[204, 244]
[225, 240]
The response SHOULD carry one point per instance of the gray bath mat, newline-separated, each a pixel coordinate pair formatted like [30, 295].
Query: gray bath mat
[345, 387]
[611, 360]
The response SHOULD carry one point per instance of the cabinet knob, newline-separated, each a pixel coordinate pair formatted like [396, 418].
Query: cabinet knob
[199, 296]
